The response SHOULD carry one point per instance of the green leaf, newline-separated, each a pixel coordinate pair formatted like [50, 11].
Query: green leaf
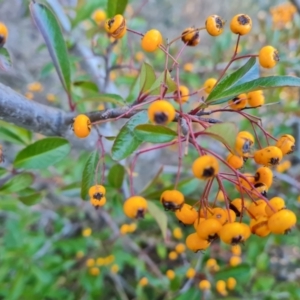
[126, 141]
[110, 98]
[225, 133]
[17, 183]
[5, 59]
[160, 217]
[85, 9]
[116, 7]
[231, 79]
[240, 272]
[51, 32]
[43, 153]
[147, 77]
[154, 133]
[116, 176]
[259, 84]
[88, 174]
[31, 199]
[170, 83]
[14, 134]
[86, 85]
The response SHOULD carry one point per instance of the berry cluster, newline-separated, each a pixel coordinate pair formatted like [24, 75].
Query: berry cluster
[209, 220]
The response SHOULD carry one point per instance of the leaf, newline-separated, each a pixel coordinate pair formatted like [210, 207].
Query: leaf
[259, 84]
[17, 183]
[152, 182]
[229, 80]
[51, 32]
[154, 133]
[86, 85]
[43, 153]
[14, 134]
[126, 141]
[116, 7]
[31, 199]
[241, 272]
[88, 174]
[110, 98]
[171, 85]
[160, 216]
[116, 176]
[225, 133]
[147, 77]
[5, 59]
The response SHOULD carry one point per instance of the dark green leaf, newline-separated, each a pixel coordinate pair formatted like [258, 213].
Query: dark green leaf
[154, 133]
[147, 78]
[17, 183]
[43, 153]
[31, 199]
[88, 175]
[50, 29]
[2, 171]
[170, 83]
[240, 272]
[116, 176]
[5, 59]
[116, 7]
[225, 133]
[259, 84]
[86, 85]
[110, 98]
[126, 141]
[160, 216]
[231, 79]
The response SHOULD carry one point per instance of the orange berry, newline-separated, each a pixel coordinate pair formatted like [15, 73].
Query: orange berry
[195, 244]
[161, 112]
[172, 200]
[236, 250]
[257, 208]
[243, 143]
[170, 274]
[186, 214]
[151, 40]
[268, 156]
[235, 161]
[235, 261]
[3, 34]
[234, 233]
[214, 25]
[205, 167]
[173, 255]
[184, 94]
[286, 144]
[177, 233]
[277, 204]
[209, 229]
[264, 175]
[209, 84]
[256, 98]
[238, 102]
[268, 57]
[180, 248]
[143, 281]
[282, 221]
[204, 285]
[241, 24]
[116, 26]
[99, 16]
[259, 226]
[82, 126]
[190, 273]
[135, 207]
[190, 36]
[231, 283]
[221, 287]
